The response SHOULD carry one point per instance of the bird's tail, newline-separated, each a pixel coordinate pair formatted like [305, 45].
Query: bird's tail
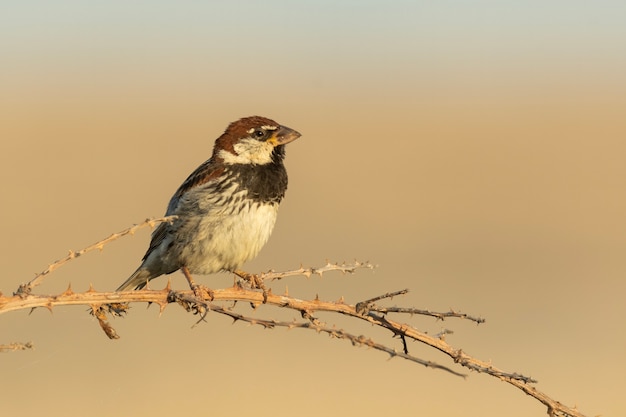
[137, 280]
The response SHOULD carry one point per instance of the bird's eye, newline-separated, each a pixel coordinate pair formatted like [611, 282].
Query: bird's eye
[259, 133]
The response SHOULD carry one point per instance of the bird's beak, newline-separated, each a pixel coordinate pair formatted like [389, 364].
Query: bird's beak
[283, 135]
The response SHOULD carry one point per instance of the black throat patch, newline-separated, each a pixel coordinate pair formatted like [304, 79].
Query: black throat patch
[265, 183]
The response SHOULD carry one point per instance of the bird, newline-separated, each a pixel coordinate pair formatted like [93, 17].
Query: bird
[226, 209]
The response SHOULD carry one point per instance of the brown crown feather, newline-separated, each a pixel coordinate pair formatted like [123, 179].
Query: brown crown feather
[239, 129]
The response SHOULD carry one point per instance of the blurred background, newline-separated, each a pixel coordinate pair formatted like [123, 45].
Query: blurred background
[473, 150]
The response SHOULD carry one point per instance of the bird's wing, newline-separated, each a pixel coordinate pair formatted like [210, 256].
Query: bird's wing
[158, 236]
[206, 172]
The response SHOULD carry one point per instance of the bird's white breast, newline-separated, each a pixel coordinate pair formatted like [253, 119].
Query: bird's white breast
[226, 236]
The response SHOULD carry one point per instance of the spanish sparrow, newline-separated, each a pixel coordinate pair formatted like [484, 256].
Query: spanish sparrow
[226, 208]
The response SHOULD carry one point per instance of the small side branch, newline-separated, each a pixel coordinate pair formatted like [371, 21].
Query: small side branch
[346, 268]
[366, 305]
[435, 314]
[28, 287]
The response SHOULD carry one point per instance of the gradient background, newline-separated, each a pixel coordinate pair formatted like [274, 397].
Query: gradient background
[474, 150]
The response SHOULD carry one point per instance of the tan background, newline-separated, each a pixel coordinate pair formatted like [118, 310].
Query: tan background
[474, 151]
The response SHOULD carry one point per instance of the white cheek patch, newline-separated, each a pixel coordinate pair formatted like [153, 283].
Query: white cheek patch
[249, 151]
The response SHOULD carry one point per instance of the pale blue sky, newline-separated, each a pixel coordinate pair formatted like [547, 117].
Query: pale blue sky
[310, 31]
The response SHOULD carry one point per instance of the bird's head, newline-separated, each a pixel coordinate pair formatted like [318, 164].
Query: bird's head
[253, 140]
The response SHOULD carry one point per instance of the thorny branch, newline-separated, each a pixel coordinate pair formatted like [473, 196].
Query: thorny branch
[116, 303]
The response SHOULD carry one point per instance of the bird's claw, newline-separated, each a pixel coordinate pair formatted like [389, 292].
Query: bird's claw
[202, 292]
[255, 281]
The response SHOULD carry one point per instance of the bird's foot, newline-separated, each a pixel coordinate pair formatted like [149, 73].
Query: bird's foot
[255, 282]
[199, 291]
[202, 292]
